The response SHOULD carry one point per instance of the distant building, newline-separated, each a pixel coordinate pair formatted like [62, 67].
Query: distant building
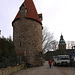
[27, 33]
[61, 50]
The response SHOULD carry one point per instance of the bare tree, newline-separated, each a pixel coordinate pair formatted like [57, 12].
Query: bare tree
[70, 44]
[48, 42]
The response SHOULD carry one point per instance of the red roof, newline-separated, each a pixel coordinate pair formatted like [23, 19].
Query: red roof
[18, 15]
[31, 11]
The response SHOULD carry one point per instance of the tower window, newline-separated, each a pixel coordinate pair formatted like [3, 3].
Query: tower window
[25, 11]
[41, 19]
[20, 43]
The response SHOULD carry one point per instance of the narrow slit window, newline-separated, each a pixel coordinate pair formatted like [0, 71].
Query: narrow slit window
[25, 11]
[20, 43]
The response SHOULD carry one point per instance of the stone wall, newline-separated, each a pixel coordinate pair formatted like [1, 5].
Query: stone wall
[27, 36]
[11, 70]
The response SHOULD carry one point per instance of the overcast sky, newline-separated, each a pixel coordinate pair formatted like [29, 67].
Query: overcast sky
[58, 16]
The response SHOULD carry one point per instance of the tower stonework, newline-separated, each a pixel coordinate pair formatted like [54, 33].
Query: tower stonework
[27, 33]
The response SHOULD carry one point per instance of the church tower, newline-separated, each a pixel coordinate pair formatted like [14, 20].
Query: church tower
[62, 44]
[27, 33]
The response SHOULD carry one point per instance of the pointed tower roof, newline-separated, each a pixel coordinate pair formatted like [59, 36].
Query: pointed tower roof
[31, 11]
[62, 41]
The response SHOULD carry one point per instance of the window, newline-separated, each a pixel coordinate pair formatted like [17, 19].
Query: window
[20, 43]
[25, 11]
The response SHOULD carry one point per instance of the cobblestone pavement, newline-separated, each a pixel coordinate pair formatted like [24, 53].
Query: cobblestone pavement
[45, 70]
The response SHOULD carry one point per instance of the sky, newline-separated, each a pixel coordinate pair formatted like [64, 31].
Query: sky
[58, 16]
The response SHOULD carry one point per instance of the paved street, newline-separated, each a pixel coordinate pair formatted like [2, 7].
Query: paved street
[45, 70]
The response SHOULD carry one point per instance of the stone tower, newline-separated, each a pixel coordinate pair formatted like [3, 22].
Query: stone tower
[27, 33]
[62, 44]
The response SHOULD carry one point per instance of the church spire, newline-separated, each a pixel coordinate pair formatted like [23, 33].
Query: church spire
[62, 44]
[62, 41]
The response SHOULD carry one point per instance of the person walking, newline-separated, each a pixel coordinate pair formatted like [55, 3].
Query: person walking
[50, 62]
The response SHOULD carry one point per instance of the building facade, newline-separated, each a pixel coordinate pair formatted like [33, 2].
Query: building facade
[27, 33]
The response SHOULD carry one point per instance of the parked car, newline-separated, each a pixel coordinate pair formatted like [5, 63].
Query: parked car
[61, 60]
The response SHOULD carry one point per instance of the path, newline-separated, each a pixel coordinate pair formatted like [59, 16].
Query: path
[45, 70]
